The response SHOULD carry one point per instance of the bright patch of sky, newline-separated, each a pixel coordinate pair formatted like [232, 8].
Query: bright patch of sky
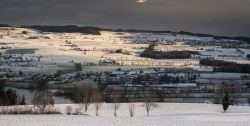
[141, 1]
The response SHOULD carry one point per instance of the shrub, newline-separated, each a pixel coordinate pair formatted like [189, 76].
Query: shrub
[248, 101]
[248, 56]
[78, 66]
[24, 32]
[225, 102]
[28, 110]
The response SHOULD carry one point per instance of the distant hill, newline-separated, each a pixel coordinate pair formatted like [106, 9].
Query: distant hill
[240, 38]
[96, 31]
[67, 28]
[5, 25]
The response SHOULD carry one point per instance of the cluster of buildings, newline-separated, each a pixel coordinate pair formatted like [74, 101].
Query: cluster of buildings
[166, 85]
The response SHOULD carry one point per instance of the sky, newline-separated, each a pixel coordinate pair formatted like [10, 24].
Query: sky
[218, 17]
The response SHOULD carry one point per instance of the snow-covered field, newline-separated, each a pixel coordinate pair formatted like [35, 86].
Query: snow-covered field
[168, 114]
[63, 49]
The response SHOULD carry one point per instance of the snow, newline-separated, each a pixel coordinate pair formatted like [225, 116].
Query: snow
[179, 85]
[169, 114]
[220, 75]
[63, 49]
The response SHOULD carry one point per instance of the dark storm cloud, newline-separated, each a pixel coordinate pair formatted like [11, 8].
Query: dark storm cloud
[222, 17]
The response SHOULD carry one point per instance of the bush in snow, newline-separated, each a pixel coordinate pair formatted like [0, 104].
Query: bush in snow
[24, 32]
[28, 110]
[52, 110]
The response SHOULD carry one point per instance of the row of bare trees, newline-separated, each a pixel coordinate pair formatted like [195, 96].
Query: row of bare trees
[86, 96]
[148, 103]
[226, 94]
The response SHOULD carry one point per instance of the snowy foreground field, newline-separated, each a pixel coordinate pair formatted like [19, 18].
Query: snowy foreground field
[169, 114]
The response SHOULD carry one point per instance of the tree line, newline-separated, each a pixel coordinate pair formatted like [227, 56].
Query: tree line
[43, 102]
[151, 53]
[9, 97]
[67, 28]
[225, 66]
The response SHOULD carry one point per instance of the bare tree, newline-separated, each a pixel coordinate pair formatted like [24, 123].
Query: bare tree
[148, 102]
[131, 106]
[97, 100]
[43, 97]
[82, 95]
[116, 98]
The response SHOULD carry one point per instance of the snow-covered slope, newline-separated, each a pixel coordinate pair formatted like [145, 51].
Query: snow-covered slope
[169, 114]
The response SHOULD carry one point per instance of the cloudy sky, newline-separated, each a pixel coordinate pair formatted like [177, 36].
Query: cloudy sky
[219, 17]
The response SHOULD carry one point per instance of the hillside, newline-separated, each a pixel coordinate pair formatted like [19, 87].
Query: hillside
[169, 114]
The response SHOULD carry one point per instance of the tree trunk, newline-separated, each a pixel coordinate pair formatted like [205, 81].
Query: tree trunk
[115, 114]
[96, 112]
[86, 108]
